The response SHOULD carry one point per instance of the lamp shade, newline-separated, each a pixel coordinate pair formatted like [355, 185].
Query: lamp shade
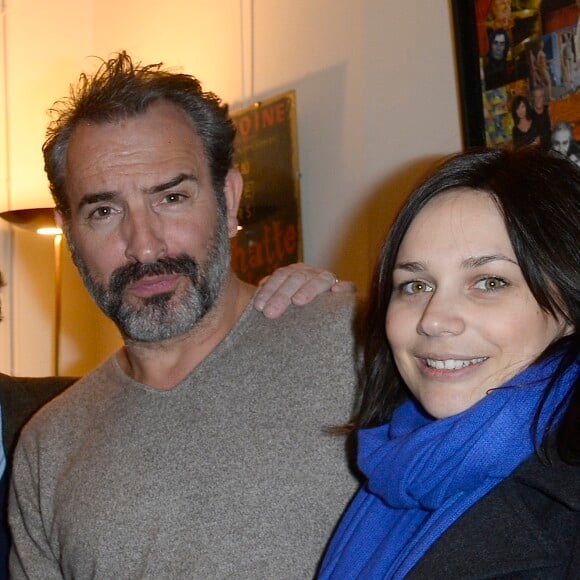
[31, 219]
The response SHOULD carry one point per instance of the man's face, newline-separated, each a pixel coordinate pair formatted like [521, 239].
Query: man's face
[561, 141]
[145, 231]
[498, 46]
[538, 98]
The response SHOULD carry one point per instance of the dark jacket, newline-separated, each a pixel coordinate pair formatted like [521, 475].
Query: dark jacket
[527, 527]
[20, 398]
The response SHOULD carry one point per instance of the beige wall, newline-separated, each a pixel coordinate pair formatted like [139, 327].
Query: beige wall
[376, 104]
[44, 45]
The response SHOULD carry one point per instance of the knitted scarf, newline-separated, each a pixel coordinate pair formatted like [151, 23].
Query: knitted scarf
[423, 474]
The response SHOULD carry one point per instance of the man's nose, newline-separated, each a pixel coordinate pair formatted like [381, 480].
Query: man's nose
[145, 239]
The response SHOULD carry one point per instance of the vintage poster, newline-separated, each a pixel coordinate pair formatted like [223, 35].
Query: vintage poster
[269, 233]
[519, 64]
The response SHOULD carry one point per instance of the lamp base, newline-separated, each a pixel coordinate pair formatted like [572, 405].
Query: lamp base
[41, 220]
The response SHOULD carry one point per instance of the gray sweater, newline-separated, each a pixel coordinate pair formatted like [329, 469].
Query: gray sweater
[228, 475]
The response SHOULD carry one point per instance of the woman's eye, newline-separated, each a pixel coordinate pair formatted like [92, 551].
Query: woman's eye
[415, 287]
[491, 284]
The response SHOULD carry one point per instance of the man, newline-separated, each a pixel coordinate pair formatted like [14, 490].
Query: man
[541, 116]
[563, 141]
[496, 70]
[20, 398]
[198, 450]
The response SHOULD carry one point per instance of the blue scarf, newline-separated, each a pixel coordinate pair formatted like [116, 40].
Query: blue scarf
[423, 474]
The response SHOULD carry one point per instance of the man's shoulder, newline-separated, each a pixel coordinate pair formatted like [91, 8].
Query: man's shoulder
[324, 330]
[334, 307]
[329, 317]
[71, 404]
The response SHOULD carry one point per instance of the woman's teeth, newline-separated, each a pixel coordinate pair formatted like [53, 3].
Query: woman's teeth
[452, 364]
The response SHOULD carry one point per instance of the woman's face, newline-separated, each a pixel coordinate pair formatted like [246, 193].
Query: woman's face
[461, 319]
[521, 111]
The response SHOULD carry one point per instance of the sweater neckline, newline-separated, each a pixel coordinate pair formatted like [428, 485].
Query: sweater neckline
[239, 329]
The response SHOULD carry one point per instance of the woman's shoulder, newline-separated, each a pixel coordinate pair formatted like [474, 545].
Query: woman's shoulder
[548, 477]
[528, 526]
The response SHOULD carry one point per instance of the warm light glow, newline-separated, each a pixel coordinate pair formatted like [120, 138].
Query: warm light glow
[49, 231]
[240, 228]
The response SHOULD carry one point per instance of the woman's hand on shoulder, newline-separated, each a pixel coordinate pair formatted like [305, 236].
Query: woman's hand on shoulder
[296, 284]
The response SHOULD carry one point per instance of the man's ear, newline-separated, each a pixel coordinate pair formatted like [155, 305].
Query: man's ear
[233, 189]
[59, 219]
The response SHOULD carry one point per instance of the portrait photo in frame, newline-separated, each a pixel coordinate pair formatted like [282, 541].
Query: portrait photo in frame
[518, 63]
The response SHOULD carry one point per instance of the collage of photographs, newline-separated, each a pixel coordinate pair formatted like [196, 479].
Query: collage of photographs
[529, 55]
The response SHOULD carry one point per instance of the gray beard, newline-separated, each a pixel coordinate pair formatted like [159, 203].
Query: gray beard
[163, 316]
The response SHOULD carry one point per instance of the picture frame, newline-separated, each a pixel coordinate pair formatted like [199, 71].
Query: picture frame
[266, 154]
[511, 56]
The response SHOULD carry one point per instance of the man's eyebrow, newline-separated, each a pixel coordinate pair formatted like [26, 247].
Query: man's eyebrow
[171, 183]
[95, 198]
[110, 195]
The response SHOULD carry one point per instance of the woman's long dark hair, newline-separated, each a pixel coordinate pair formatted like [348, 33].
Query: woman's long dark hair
[518, 100]
[538, 194]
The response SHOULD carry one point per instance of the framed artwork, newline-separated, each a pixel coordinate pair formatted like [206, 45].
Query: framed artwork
[266, 153]
[518, 63]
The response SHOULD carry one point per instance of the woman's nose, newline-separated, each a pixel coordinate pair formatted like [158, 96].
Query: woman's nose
[441, 316]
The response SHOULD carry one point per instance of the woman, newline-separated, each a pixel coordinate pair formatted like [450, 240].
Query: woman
[469, 422]
[524, 132]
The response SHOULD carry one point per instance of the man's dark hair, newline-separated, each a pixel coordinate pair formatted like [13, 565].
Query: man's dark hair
[493, 34]
[121, 89]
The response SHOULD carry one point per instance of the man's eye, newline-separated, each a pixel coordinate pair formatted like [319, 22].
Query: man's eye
[415, 287]
[101, 212]
[491, 284]
[173, 198]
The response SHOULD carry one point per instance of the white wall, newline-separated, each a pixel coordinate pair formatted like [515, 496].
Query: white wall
[375, 89]
[376, 103]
